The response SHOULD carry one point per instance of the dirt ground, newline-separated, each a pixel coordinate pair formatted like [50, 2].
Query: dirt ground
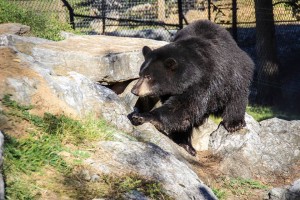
[43, 98]
[208, 169]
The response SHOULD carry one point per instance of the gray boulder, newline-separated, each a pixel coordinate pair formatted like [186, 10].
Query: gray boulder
[71, 94]
[99, 58]
[129, 98]
[260, 149]
[21, 44]
[291, 192]
[201, 135]
[149, 160]
[14, 28]
[148, 133]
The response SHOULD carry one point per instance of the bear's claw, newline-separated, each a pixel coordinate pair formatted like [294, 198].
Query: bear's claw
[137, 119]
[234, 126]
[189, 149]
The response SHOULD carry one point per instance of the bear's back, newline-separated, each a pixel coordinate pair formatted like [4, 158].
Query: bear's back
[204, 30]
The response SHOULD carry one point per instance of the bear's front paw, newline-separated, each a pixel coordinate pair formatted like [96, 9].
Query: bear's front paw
[234, 126]
[138, 119]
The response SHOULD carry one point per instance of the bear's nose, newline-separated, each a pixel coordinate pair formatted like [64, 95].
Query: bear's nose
[134, 91]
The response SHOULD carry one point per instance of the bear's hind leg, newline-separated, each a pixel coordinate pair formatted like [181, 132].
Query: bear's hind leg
[183, 139]
[234, 115]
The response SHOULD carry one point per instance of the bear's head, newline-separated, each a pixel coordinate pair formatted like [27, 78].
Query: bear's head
[163, 72]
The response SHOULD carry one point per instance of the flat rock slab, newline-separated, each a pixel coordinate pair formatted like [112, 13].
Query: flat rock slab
[13, 28]
[99, 58]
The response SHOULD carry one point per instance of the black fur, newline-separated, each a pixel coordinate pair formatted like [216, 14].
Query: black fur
[201, 72]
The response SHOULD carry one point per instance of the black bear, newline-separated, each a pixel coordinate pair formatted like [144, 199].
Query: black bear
[201, 72]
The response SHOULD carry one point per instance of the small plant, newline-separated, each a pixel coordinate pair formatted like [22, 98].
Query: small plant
[42, 25]
[221, 194]
[242, 186]
[260, 113]
[215, 119]
[125, 184]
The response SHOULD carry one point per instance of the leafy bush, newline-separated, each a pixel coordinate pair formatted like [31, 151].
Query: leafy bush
[42, 25]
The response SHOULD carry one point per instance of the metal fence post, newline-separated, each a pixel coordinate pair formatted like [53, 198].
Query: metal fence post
[71, 12]
[180, 14]
[209, 10]
[234, 20]
[103, 8]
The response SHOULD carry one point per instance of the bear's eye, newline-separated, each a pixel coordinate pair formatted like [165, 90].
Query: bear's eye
[148, 77]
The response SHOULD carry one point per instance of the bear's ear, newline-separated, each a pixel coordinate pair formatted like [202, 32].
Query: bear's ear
[146, 50]
[171, 63]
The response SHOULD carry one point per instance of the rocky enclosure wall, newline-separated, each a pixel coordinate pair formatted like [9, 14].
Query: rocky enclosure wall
[69, 77]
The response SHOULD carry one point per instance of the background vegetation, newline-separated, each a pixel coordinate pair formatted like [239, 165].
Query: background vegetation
[46, 26]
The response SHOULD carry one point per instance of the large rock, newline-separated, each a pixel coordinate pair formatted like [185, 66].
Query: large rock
[13, 28]
[291, 192]
[148, 133]
[21, 44]
[201, 135]
[99, 58]
[129, 98]
[260, 150]
[149, 160]
[31, 83]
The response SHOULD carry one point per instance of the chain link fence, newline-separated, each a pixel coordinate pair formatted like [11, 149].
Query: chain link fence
[160, 19]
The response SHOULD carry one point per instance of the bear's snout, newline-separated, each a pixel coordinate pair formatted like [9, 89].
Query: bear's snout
[134, 90]
[141, 88]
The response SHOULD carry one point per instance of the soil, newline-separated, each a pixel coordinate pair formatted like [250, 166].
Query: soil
[208, 170]
[43, 98]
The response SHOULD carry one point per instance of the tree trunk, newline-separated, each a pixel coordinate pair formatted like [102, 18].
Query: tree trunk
[268, 83]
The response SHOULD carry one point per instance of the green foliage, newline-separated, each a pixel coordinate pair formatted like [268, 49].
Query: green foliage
[215, 119]
[125, 184]
[42, 25]
[31, 154]
[61, 126]
[221, 194]
[6, 101]
[242, 186]
[247, 183]
[42, 147]
[238, 187]
[19, 189]
[260, 113]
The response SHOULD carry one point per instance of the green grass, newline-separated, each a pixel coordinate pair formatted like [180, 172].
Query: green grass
[29, 158]
[42, 146]
[260, 113]
[245, 183]
[125, 184]
[241, 186]
[46, 26]
[61, 126]
[220, 193]
[238, 187]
